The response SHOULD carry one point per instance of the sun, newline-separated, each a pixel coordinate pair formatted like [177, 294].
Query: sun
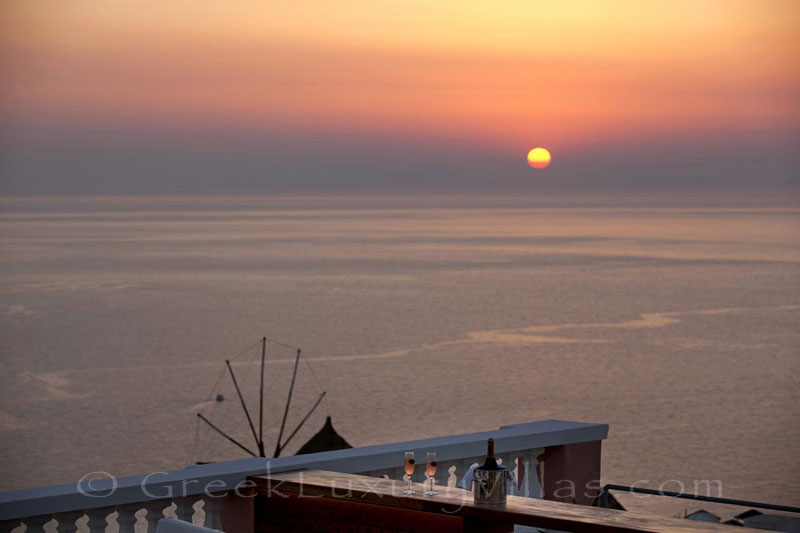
[539, 158]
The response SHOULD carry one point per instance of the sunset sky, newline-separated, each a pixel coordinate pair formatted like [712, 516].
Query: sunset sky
[127, 96]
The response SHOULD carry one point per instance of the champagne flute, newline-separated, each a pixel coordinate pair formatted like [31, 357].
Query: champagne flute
[430, 468]
[408, 463]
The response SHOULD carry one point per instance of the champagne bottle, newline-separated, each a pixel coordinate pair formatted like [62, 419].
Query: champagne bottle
[490, 463]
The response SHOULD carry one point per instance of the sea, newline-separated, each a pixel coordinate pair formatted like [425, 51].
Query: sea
[671, 315]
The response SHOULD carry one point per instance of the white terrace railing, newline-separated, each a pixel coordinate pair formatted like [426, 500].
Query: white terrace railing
[136, 503]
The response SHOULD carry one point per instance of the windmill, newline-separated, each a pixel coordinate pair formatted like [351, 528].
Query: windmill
[324, 440]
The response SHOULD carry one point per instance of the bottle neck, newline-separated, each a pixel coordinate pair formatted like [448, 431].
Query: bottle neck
[490, 463]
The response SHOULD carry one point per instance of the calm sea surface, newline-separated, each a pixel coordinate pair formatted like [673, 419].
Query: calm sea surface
[675, 319]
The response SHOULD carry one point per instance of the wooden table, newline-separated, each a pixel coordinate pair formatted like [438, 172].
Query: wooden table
[331, 501]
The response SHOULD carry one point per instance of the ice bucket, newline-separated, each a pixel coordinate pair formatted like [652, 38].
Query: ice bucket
[490, 486]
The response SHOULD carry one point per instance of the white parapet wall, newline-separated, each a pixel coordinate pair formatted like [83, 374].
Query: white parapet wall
[115, 504]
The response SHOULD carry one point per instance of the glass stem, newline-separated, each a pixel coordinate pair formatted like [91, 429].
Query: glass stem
[409, 483]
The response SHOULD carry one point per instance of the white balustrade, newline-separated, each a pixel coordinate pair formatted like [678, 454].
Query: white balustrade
[124, 517]
[450, 478]
[193, 494]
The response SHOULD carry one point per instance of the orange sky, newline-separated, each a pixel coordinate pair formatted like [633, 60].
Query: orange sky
[507, 74]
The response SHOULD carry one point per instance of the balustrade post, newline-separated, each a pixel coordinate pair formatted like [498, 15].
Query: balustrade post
[462, 465]
[184, 508]
[66, 521]
[447, 475]
[211, 506]
[35, 524]
[508, 462]
[126, 517]
[98, 519]
[155, 512]
[519, 473]
[528, 466]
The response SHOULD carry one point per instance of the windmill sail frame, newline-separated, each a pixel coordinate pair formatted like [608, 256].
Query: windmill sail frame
[326, 434]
